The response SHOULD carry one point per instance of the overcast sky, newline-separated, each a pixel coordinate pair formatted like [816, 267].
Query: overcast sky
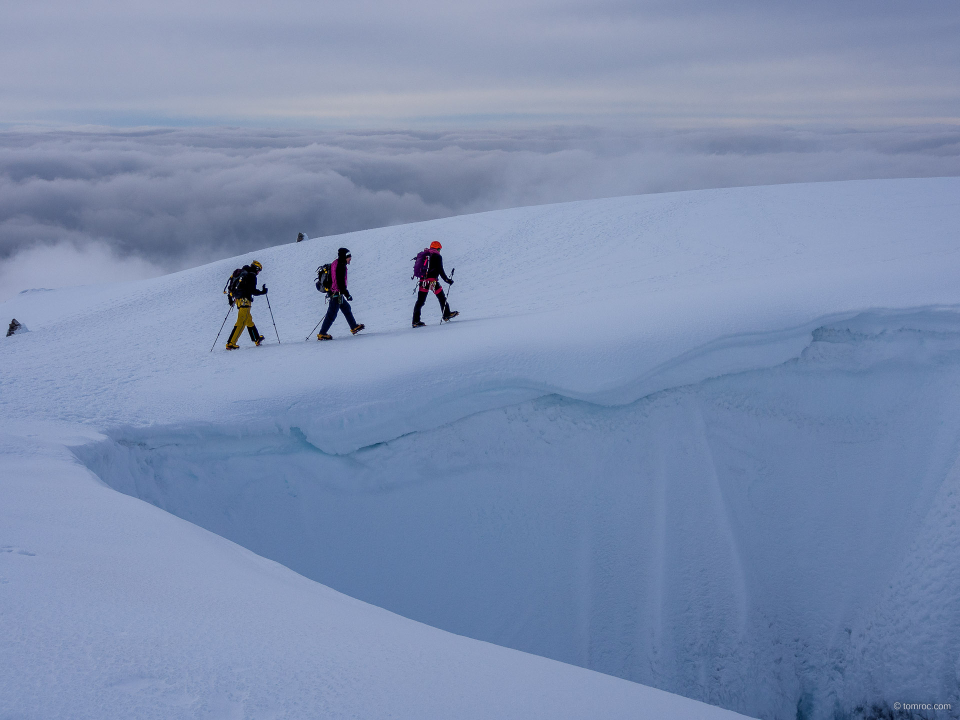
[383, 61]
[138, 138]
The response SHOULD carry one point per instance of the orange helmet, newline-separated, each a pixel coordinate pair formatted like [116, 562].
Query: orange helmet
[436, 246]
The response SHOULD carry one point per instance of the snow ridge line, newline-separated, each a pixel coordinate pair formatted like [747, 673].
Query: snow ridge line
[345, 424]
[344, 429]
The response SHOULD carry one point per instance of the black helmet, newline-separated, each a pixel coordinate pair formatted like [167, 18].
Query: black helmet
[343, 253]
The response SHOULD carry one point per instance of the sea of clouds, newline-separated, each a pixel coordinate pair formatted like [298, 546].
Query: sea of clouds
[93, 205]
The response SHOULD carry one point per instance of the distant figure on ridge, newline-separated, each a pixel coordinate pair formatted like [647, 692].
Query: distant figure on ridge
[428, 267]
[242, 292]
[339, 296]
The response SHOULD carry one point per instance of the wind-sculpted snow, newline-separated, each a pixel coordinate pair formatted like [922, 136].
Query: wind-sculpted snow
[705, 441]
[604, 301]
[736, 541]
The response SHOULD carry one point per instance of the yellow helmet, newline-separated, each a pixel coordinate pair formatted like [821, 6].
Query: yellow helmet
[256, 266]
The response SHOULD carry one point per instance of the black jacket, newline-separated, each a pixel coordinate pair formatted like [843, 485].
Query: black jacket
[435, 268]
[247, 287]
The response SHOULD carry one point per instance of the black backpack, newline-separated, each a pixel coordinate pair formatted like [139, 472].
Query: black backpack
[324, 278]
[231, 287]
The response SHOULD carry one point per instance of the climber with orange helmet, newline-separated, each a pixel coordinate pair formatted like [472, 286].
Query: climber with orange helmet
[428, 269]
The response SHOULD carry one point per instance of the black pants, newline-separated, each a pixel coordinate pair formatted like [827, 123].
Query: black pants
[422, 293]
[337, 304]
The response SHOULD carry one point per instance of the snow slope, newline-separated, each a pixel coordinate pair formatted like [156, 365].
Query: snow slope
[112, 608]
[704, 441]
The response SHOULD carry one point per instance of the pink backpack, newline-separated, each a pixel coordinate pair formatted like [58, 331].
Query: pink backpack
[421, 263]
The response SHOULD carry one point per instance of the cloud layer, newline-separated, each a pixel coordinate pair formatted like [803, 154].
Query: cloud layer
[148, 201]
[65, 264]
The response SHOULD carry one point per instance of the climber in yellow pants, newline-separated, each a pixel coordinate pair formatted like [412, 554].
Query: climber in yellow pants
[244, 320]
[243, 295]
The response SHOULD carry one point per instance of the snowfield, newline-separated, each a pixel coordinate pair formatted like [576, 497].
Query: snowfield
[707, 442]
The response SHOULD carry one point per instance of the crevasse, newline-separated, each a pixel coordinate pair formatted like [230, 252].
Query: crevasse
[781, 542]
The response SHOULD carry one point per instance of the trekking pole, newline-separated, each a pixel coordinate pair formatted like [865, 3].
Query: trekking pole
[272, 320]
[221, 328]
[446, 303]
[314, 328]
[318, 324]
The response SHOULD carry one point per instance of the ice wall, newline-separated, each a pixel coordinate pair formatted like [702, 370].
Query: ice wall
[779, 542]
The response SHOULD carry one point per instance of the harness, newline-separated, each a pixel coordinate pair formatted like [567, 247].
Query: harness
[428, 284]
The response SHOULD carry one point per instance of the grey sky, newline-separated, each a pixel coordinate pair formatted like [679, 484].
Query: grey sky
[379, 62]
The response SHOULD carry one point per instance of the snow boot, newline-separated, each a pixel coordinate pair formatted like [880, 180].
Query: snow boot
[358, 328]
[419, 324]
[324, 336]
[450, 315]
[231, 346]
